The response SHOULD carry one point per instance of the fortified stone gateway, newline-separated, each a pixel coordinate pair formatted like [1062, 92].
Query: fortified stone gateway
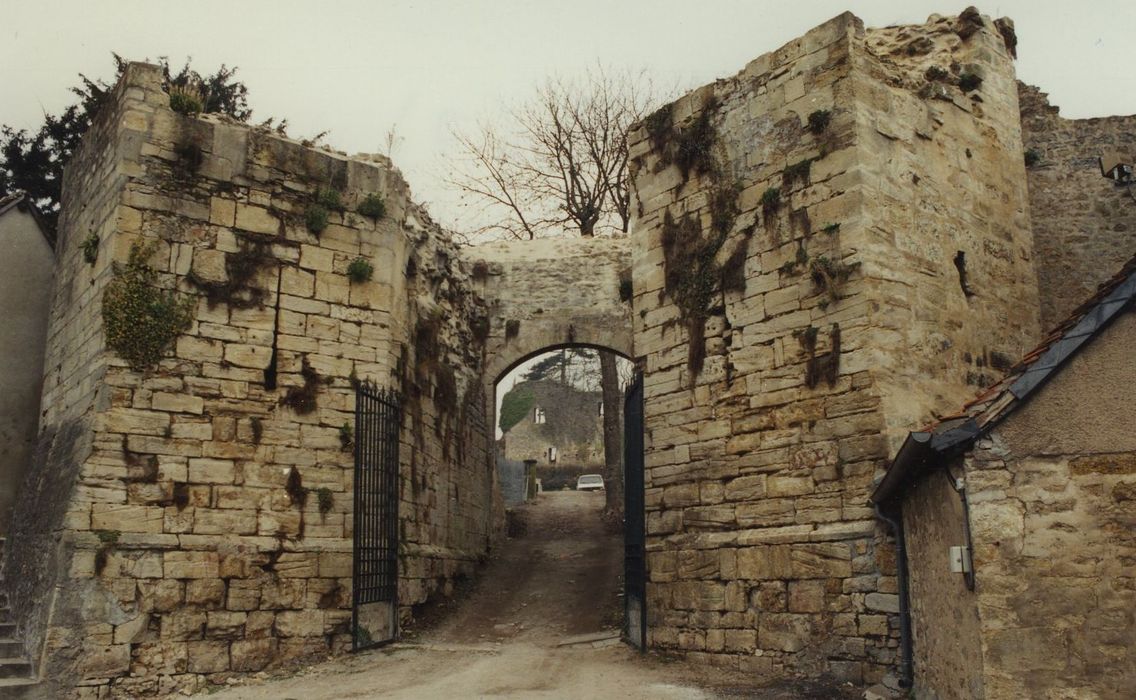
[830, 248]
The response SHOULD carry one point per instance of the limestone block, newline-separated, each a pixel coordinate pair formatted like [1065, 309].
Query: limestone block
[883, 602]
[807, 596]
[209, 266]
[243, 595]
[207, 657]
[256, 219]
[784, 632]
[335, 564]
[316, 258]
[104, 661]
[133, 422]
[131, 630]
[746, 488]
[297, 565]
[177, 403]
[225, 625]
[126, 518]
[297, 282]
[182, 625]
[283, 594]
[161, 595]
[222, 211]
[209, 592]
[300, 623]
[253, 356]
[191, 565]
[764, 563]
[789, 485]
[740, 640]
[211, 471]
[251, 654]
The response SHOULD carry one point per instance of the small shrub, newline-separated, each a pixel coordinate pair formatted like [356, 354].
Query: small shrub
[831, 228]
[373, 207]
[346, 437]
[818, 121]
[935, 74]
[329, 198]
[1032, 157]
[771, 199]
[90, 246]
[970, 81]
[108, 536]
[316, 218]
[829, 275]
[186, 99]
[360, 270]
[140, 320]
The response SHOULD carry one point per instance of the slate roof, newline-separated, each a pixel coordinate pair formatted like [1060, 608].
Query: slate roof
[957, 432]
[21, 202]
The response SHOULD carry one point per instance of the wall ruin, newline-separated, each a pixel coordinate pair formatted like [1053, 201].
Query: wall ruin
[1084, 226]
[208, 526]
[798, 305]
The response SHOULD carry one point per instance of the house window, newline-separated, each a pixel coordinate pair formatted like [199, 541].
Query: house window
[538, 416]
[552, 455]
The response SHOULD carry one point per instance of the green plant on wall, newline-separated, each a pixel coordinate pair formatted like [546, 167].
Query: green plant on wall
[515, 406]
[186, 99]
[90, 246]
[142, 321]
[373, 207]
[315, 218]
[360, 270]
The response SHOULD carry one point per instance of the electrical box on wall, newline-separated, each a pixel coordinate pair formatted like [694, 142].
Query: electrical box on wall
[960, 560]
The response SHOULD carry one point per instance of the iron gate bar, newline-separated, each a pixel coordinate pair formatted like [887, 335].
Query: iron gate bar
[378, 420]
[634, 535]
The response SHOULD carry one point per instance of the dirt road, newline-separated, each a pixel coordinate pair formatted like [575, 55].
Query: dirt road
[541, 621]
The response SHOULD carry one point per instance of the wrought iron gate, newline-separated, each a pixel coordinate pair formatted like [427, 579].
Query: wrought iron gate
[634, 538]
[374, 590]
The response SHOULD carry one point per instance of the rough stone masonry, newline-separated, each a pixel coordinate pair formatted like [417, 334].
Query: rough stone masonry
[830, 247]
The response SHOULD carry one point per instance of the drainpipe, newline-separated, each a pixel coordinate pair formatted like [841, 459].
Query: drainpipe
[906, 665]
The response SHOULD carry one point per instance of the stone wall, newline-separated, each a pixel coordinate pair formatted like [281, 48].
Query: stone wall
[25, 294]
[550, 293]
[796, 305]
[209, 527]
[572, 424]
[947, 654]
[1053, 512]
[1084, 226]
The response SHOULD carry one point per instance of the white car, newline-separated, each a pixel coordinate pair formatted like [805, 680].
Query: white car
[590, 482]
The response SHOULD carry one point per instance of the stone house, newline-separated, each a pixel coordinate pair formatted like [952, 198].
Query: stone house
[562, 426]
[27, 267]
[1032, 491]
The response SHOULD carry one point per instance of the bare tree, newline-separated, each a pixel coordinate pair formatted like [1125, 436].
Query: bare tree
[560, 162]
[560, 166]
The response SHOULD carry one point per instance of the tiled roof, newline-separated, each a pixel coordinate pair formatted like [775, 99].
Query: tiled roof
[980, 414]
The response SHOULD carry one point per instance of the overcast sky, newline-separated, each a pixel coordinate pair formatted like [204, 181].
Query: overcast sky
[359, 68]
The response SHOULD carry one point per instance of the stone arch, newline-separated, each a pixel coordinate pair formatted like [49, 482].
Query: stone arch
[551, 293]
